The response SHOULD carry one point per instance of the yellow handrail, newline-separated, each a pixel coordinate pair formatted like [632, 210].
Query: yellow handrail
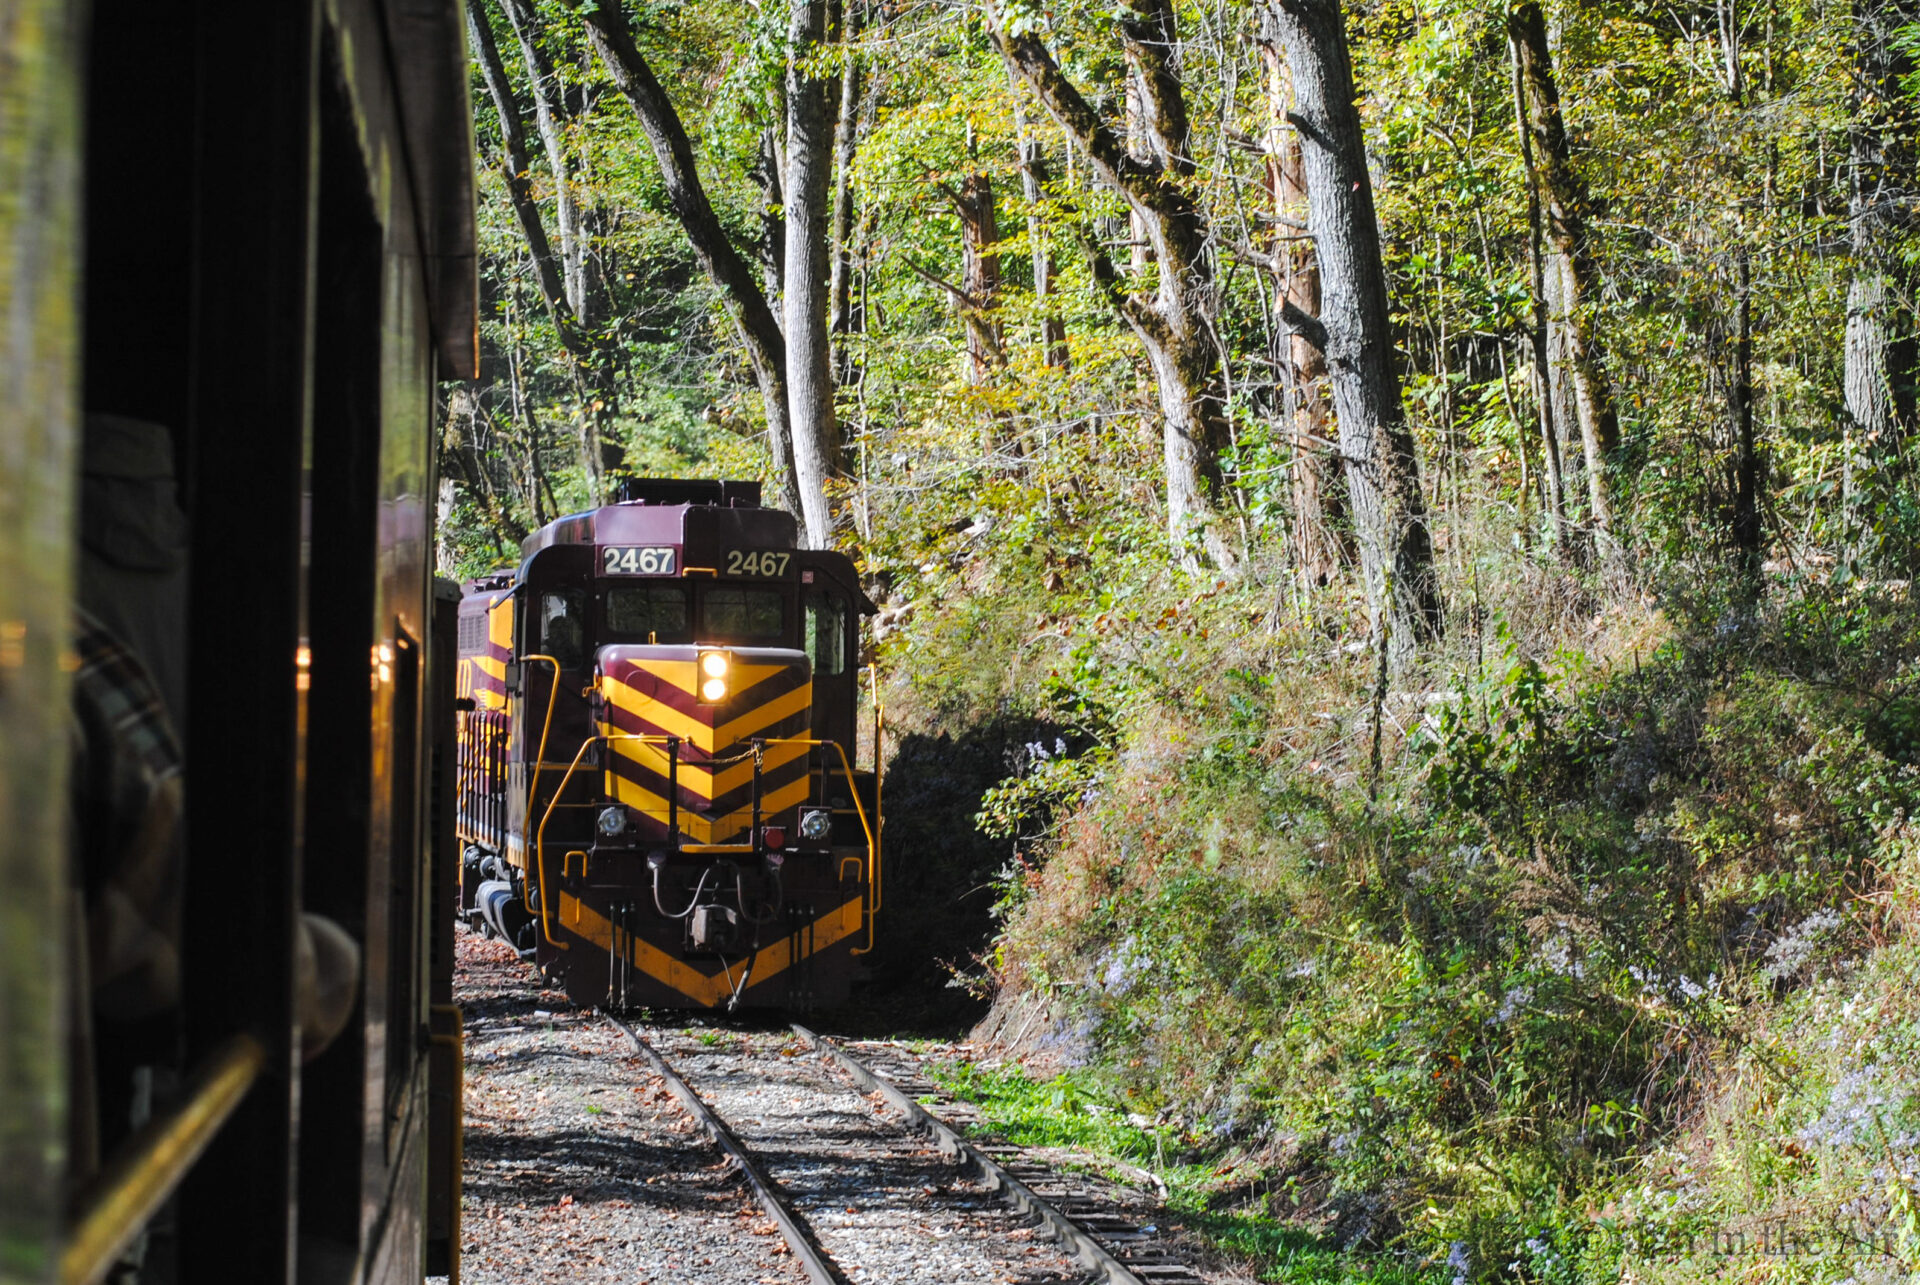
[540, 835]
[873, 847]
[154, 1160]
[879, 775]
[846, 767]
[540, 759]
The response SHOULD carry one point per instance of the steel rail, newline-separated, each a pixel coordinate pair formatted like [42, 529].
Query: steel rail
[1089, 1252]
[820, 1269]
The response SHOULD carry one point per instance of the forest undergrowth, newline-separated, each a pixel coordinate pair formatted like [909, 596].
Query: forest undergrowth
[1592, 954]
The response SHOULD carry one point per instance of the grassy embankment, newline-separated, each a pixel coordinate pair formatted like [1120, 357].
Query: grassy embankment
[1592, 935]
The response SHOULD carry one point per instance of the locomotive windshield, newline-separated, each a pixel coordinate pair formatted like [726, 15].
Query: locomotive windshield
[656, 611]
[741, 614]
[663, 612]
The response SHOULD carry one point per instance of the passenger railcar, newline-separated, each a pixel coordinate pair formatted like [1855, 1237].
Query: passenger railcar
[250, 228]
[658, 790]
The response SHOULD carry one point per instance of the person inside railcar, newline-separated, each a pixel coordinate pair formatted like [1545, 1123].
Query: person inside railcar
[127, 809]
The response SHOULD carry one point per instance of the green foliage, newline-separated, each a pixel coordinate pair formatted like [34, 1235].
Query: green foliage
[1631, 848]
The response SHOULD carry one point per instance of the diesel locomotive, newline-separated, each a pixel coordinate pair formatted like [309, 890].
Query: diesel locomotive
[659, 799]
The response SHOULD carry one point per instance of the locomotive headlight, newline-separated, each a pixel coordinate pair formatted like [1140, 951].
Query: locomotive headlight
[612, 821]
[713, 676]
[816, 824]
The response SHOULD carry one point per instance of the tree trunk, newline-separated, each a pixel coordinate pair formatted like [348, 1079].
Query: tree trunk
[753, 319]
[464, 408]
[1572, 345]
[846, 139]
[1553, 484]
[593, 365]
[545, 88]
[1353, 331]
[979, 275]
[769, 171]
[1745, 525]
[1174, 326]
[1033, 178]
[809, 180]
[1139, 245]
[1318, 549]
[515, 166]
[1880, 351]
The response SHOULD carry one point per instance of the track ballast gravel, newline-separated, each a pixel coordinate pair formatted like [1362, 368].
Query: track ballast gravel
[881, 1200]
[579, 1166]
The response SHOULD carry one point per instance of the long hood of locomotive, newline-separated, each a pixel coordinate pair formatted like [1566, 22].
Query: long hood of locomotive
[650, 692]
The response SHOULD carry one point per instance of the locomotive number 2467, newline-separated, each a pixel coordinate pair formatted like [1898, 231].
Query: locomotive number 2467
[749, 562]
[633, 560]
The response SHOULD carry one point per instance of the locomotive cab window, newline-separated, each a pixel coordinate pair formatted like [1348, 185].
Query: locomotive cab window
[563, 627]
[827, 633]
[743, 614]
[649, 611]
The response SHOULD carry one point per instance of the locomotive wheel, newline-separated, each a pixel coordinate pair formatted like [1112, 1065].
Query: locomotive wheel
[587, 975]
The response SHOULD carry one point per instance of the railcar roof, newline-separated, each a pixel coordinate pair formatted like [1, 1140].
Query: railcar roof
[431, 76]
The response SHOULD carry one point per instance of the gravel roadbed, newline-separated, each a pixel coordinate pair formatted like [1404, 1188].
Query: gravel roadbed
[580, 1167]
[881, 1200]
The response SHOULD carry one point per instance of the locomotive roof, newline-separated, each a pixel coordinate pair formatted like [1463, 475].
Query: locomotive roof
[643, 522]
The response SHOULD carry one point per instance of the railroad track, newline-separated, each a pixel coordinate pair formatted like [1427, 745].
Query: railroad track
[865, 1194]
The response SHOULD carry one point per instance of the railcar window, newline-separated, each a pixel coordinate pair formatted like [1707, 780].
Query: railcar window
[827, 633]
[736, 613]
[563, 628]
[657, 611]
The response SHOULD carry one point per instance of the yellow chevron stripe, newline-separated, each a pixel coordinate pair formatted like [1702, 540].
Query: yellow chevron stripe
[708, 989]
[794, 702]
[702, 829]
[685, 674]
[496, 669]
[701, 780]
[660, 717]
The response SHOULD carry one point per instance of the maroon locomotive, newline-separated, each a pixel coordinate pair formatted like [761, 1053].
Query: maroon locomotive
[659, 800]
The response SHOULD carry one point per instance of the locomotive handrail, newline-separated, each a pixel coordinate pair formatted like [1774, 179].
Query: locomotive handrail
[860, 810]
[846, 767]
[540, 835]
[155, 1160]
[879, 775]
[540, 759]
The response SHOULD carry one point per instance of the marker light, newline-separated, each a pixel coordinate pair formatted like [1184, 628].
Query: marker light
[713, 691]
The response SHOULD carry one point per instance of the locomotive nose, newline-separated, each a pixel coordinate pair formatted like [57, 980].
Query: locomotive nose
[705, 742]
